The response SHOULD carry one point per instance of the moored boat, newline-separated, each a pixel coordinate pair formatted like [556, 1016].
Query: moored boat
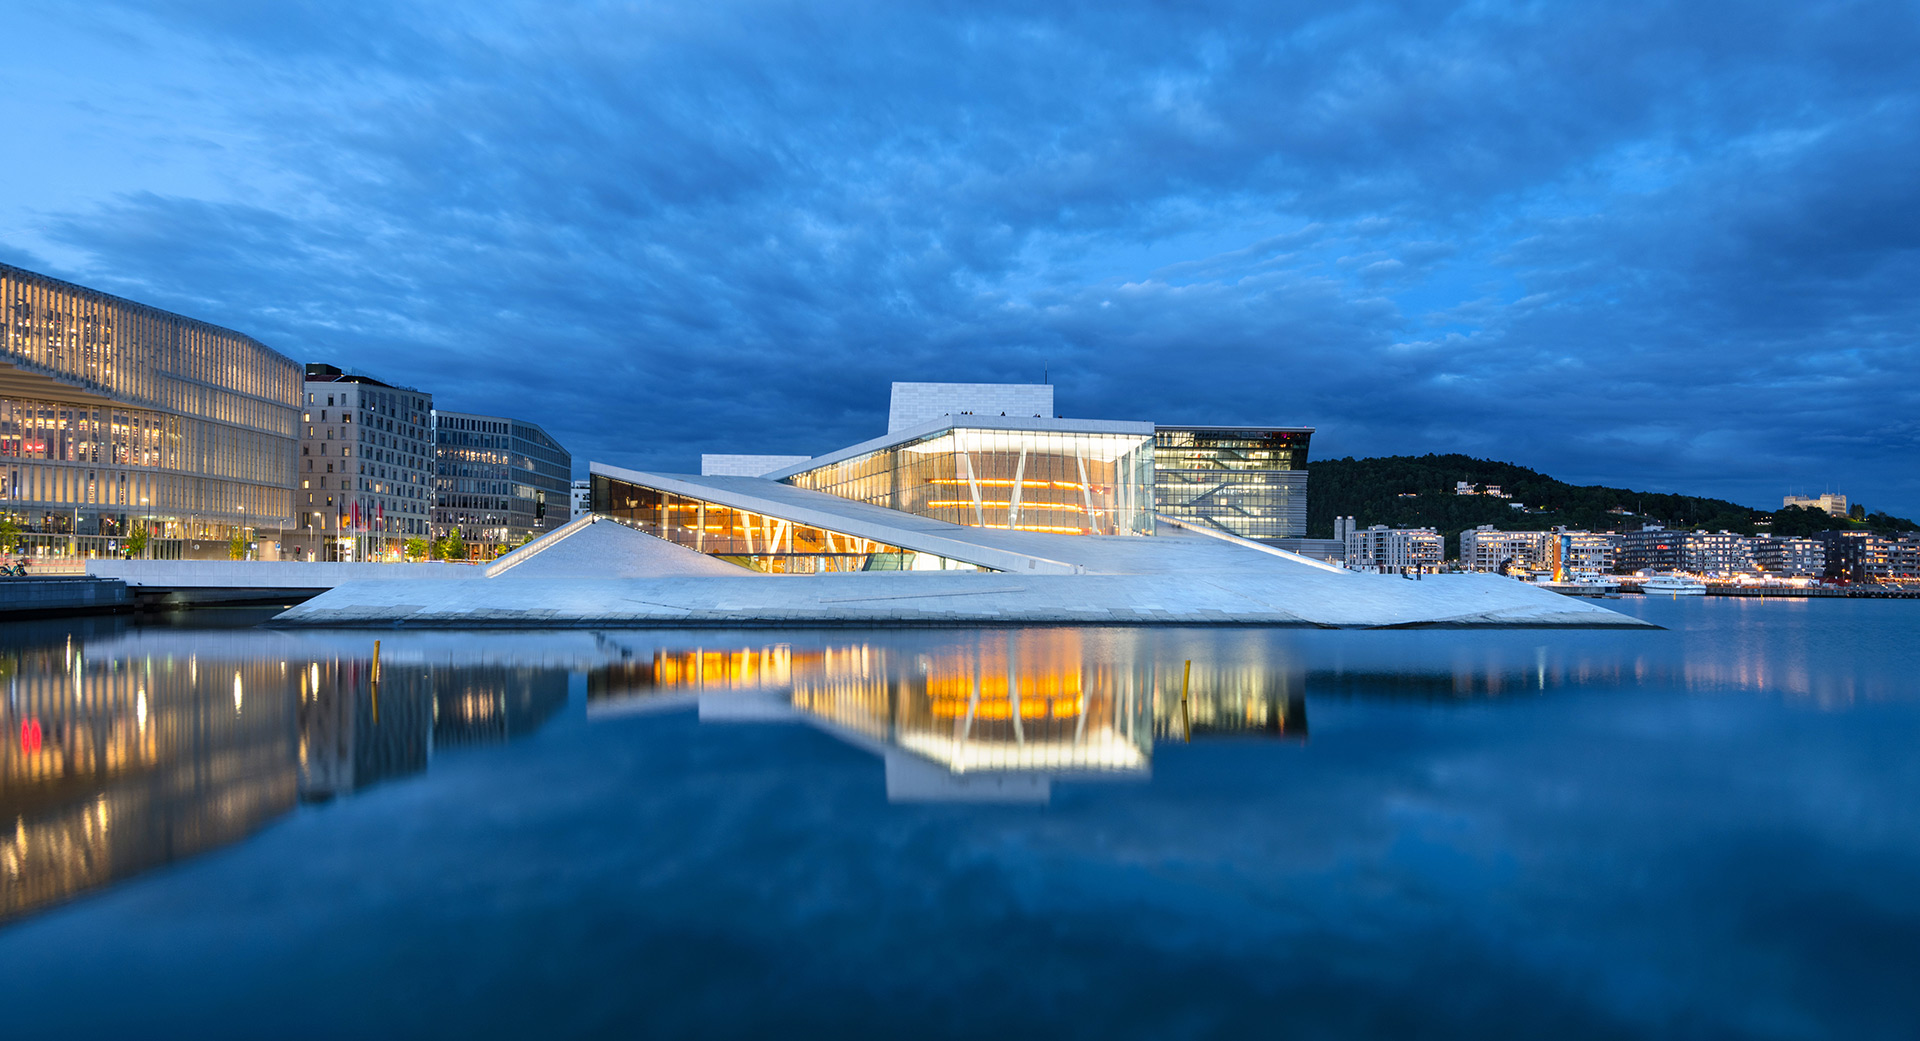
[1673, 585]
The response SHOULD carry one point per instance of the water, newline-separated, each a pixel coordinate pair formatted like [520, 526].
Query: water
[1708, 831]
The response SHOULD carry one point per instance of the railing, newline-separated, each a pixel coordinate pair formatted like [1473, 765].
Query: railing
[48, 565]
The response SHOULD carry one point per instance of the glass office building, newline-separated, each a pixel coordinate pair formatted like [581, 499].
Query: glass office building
[1247, 481]
[499, 481]
[1060, 476]
[116, 416]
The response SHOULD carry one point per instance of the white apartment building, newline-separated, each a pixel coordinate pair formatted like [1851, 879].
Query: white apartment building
[1487, 549]
[1381, 548]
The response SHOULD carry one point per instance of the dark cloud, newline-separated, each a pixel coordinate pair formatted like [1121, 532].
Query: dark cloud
[1657, 245]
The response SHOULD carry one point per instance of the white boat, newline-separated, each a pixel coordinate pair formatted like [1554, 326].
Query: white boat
[1673, 585]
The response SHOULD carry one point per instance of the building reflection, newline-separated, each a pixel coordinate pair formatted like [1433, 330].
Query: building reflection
[111, 767]
[995, 716]
[117, 764]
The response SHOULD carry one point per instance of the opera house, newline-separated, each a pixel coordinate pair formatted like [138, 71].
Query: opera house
[978, 506]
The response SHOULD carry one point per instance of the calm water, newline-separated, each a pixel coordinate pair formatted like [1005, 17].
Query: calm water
[1709, 831]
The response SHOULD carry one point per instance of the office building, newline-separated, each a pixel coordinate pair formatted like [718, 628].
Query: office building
[582, 498]
[498, 481]
[1250, 481]
[1384, 549]
[366, 467]
[116, 417]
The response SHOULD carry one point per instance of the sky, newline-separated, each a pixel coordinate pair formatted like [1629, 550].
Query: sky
[1672, 247]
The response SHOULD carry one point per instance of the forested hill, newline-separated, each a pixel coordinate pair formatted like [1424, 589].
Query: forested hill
[1418, 491]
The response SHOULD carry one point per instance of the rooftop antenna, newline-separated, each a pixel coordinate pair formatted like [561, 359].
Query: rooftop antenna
[1046, 373]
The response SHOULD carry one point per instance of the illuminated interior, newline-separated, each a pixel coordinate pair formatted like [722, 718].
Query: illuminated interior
[1250, 482]
[754, 540]
[1059, 482]
[115, 416]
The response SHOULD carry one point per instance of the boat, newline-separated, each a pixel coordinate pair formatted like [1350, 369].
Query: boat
[1581, 586]
[1673, 585]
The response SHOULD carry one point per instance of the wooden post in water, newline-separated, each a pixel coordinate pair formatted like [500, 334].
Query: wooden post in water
[1186, 718]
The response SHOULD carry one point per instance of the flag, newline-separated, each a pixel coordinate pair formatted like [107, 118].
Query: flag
[356, 515]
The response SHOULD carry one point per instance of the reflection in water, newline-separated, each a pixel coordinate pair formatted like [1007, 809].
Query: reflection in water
[122, 747]
[116, 763]
[992, 716]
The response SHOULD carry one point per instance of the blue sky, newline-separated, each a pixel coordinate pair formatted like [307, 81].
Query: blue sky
[1674, 247]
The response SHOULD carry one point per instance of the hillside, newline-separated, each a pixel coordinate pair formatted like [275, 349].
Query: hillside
[1418, 491]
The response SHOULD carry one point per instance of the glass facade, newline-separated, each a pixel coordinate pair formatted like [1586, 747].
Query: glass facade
[115, 415]
[753, 540]
[1247, 481]
[500, 481]
[1027, 480]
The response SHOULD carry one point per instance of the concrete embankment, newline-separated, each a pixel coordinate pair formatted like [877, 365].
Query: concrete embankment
[189, 583]
[63, 594]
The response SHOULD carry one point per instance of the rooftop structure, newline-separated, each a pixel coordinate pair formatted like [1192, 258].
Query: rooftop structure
[915, 404]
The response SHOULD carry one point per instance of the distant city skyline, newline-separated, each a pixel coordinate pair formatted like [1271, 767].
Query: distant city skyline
[1578, 238]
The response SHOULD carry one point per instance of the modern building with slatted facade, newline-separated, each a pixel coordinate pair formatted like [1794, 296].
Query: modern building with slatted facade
[117, 417]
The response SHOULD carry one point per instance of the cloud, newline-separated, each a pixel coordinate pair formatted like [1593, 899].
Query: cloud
[1631, 244]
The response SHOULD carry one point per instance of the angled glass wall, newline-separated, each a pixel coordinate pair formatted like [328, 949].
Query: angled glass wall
[1250, 482]
[756, 541]
[1057, 481]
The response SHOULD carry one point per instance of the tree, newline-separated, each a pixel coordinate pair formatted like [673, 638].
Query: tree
[237, 544]
[416, 549]
[456, 547]
[9, 534]
[1857, 512]
[137, 542]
